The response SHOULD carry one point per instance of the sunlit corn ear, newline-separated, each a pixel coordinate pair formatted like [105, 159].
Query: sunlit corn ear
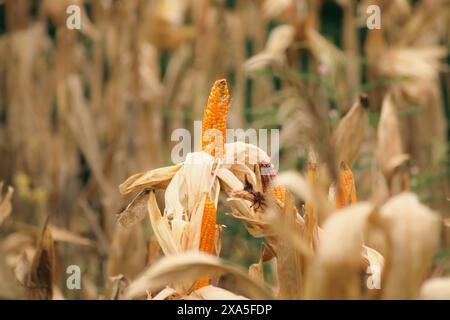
[350, 133]
[155, 179]
[214, 123]
[389, 152]
[435, 289]
[345, 190]
[207, 234]
[413, 230]
[192, 192]
[336, 270]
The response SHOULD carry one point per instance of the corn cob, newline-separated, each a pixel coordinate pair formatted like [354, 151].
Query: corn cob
[345, 190]
[279, 193]
[215, 119]
[207, 234]
[309, 210]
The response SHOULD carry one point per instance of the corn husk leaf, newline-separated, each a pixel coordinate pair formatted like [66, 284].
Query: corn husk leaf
[335, 271]
[192, 266]
[389, 150]
[216, 293]
[435, 289]
[413, 230]
[157, 178]
[290, 248]
[279, 41]
[350, 133]
[62, 235]
[135, 211]
[160, 226]
[119, 282]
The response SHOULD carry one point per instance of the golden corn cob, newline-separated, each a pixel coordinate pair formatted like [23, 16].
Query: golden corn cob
[214, 124]
[310, 219]
[207, 234]
[279, 193]
[345, 190]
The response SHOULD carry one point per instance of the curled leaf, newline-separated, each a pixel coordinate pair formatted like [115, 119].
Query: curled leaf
[135, 211]
[157, 178]
[190, 267]
[413, 230]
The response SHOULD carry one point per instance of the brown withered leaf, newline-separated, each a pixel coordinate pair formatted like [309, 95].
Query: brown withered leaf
[22, 269]
[135, 211]
[119, 283]
[40, 282]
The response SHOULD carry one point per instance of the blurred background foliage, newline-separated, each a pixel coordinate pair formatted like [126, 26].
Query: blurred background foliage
[80, 111]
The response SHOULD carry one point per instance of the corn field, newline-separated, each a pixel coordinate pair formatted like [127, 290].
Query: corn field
[355, 206]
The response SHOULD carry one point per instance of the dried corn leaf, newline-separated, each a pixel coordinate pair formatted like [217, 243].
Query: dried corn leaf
[62, 235]
[399, 62]
[22, 269]
[119, 283]
[40, 282]
[335, 272]
[390, 154]
[413, 230]
[135, 211]
[435, 289]
[290, 249]
[157, 178]
[192, 266]
[216, 293]
[160, 226]
[275, 51]
[350, 133]
[165, 294]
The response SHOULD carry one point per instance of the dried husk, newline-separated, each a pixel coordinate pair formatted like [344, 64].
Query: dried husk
[413, 233]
